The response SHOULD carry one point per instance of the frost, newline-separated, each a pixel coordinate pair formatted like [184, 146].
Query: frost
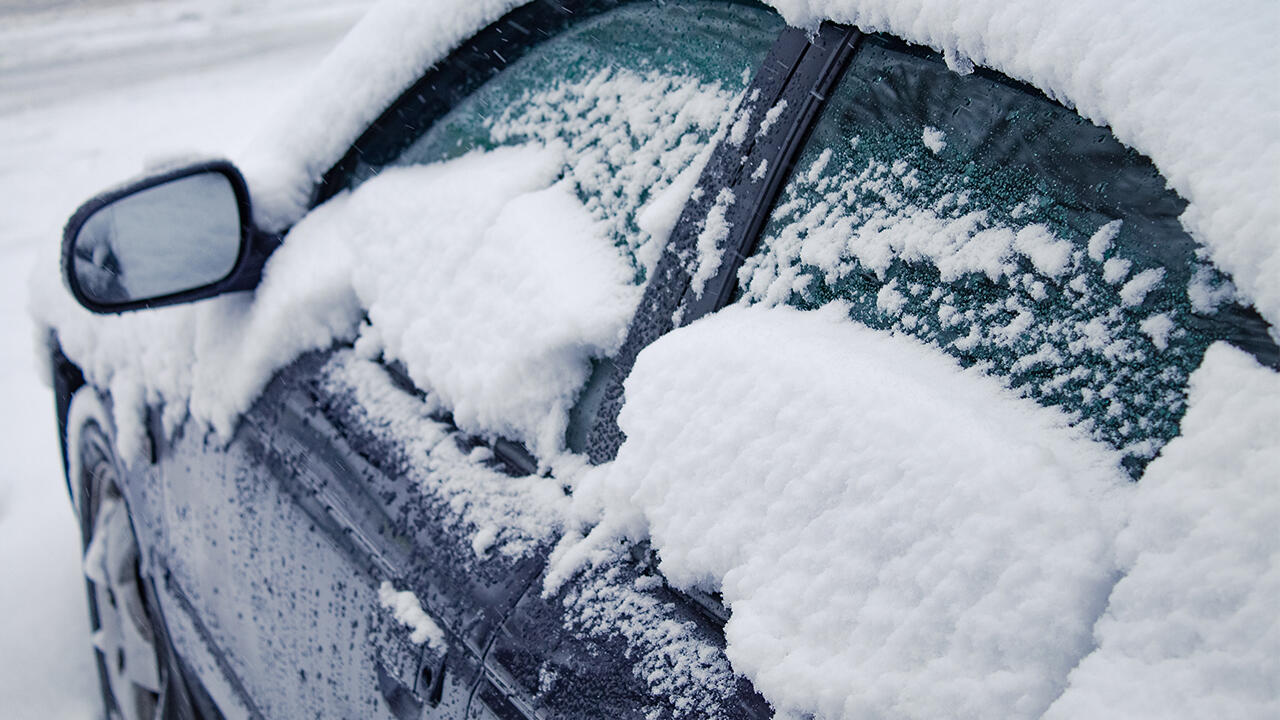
[758, 174]
[1149, 74]
[409, 613]
[666, 122]
[504, 514]
[934, 139]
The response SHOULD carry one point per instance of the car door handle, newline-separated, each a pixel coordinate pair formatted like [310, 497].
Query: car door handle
[403, 701]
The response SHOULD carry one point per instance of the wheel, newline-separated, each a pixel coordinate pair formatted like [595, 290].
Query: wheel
[124, 637]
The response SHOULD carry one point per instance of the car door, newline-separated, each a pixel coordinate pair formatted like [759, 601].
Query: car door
[350, 494]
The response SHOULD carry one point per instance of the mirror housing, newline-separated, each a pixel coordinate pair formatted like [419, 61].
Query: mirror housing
[178, 236]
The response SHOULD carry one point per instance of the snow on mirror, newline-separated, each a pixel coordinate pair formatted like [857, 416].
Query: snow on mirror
[171, 238]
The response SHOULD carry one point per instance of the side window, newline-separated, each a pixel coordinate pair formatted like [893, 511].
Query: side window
[984, 219]
[503, 214]
[635, 95]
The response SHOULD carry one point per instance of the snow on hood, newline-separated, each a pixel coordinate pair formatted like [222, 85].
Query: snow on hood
[1189, 83]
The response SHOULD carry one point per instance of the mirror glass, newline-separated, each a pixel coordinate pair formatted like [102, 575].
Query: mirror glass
[173, 237]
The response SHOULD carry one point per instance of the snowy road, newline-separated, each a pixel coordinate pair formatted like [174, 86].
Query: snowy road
[90, 92]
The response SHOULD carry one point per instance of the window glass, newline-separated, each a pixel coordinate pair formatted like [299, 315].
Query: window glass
[988, 221]
[633, 95]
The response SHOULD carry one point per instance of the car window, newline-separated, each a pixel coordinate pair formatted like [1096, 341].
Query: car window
[635, 95]
[982, 218]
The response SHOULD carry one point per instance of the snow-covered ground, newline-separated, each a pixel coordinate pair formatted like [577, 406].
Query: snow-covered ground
[90, 91]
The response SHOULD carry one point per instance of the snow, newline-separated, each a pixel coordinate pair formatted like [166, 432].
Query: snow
[502, 514]
[86, 93]
[1100, 241]
[1048, 254]
[710, 241]
[934, 546]
[1191, 630]
[1135, 290]
[417, 250]
[391, 46]
[934, 139]
[429, 244]
[1189, 84]
[409, 613]
[894, 536]
[1158, 327]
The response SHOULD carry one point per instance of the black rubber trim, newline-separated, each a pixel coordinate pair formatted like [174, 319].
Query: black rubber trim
[806, 94]
[799, 70]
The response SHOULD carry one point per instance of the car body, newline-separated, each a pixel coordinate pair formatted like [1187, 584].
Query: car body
[341, 514]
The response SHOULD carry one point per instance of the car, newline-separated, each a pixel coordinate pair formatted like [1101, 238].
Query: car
[625, 359]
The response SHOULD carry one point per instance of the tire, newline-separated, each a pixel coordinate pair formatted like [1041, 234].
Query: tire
[124, 633]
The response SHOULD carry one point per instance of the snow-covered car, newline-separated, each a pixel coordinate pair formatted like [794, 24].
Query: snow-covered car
[610, 359]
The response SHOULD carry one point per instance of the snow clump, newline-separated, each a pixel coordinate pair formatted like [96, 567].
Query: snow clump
[1192, 629]
[895, 536]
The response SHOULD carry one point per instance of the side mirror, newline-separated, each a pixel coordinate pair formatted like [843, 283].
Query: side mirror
[179, 236]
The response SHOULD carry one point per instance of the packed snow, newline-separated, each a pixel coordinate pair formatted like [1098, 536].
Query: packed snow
[1192, 629]
[895, 536]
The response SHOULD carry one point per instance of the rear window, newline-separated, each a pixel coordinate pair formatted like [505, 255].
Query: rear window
[982, 218]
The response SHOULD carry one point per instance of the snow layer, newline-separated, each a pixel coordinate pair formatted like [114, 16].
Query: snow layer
[895, 536]
[502, 514]
[423, 250]
[1191, 84]
[1192, 630]
[389, 49]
